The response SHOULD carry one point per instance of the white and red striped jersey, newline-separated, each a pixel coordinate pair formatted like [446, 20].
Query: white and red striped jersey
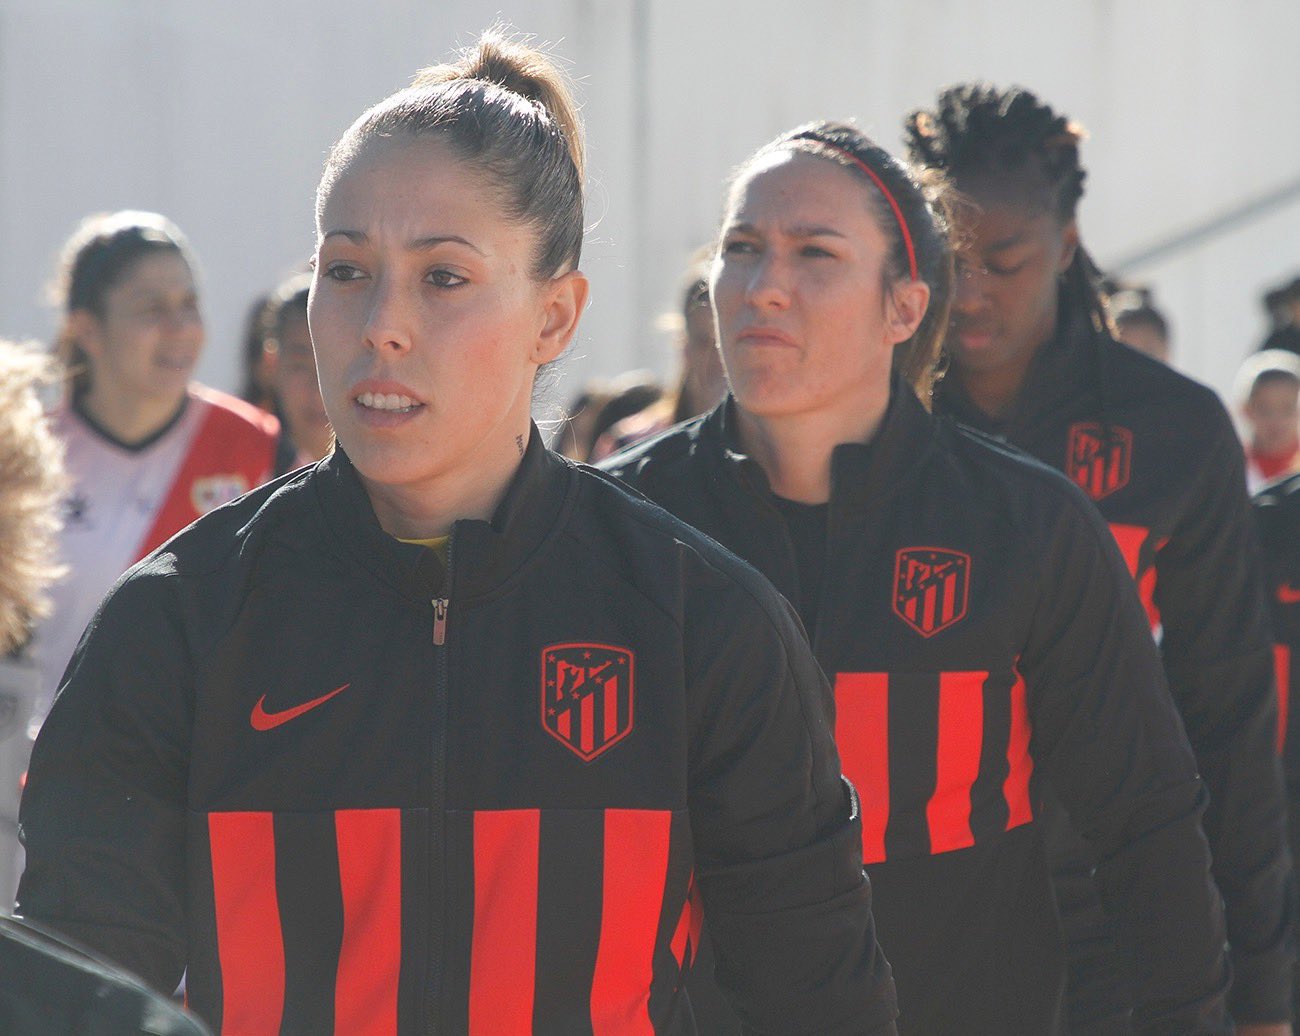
[124, 501]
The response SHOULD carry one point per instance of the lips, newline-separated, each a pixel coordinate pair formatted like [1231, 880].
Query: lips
[973, 336]
[758, 334]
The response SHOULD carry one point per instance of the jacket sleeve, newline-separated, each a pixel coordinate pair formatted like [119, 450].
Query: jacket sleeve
[103, 813]
[778, 841]
[1106, 736]
[1218, 658]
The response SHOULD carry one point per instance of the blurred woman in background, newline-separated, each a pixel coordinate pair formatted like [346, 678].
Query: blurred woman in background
[148, 450]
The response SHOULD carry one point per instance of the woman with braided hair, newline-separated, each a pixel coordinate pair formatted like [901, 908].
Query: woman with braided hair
[1033, 362]
[967, 603]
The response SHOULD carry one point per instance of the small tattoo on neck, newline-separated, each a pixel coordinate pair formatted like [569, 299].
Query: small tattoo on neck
[519, 443]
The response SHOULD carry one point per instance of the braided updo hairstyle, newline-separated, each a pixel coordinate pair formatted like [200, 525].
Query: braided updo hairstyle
[924, 204]
[979, 135]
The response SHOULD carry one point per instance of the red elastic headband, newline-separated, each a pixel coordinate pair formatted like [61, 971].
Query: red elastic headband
[889, 197]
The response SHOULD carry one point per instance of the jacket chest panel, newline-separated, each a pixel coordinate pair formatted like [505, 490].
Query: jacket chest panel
[308, 702]
[926, 591]
[1138, 470]
[568, 696]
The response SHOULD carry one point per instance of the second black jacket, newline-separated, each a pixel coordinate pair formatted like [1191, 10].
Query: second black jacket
[981, 635]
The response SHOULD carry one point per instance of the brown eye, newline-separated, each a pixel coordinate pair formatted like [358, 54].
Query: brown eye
[342, 272]
[446, 279]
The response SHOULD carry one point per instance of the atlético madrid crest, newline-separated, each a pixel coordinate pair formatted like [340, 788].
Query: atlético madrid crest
[931, 587]
[587, 695]
[1099, 458]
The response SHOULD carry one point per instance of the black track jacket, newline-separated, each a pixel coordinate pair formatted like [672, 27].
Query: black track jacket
[1158, 455]
[354, 792]
[1277, 507]
[981, 634]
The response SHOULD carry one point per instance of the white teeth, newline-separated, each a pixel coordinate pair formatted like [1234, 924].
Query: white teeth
[391, 401]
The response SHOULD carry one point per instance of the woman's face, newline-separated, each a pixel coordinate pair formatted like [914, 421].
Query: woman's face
[1273, 411]
[1008, 281]
[145, 345]
[803, 320]
[427, 322]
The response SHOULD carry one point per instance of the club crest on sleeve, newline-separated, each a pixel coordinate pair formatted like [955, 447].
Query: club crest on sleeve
[207, 494]
[587, 696]
[1099, 458]
[931, 588]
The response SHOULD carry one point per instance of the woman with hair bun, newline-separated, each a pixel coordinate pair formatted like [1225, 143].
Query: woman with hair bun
[445, 733]
[970, 608]
[148, 449]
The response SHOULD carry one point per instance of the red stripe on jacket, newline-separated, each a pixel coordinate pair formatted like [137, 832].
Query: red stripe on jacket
[249, 944]
[1020, 764]
[370, 959]
[1131, 540]
[957, 762]
[635, 872]
[503, 956]
[862, 734]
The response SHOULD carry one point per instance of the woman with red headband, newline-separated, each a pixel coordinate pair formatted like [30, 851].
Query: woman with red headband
[971, 609]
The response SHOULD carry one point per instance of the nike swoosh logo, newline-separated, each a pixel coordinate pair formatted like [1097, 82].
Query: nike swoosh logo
[263, 720]
[1288, 594]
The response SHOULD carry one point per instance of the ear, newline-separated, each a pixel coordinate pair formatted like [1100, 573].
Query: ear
[83, 327]
[1069, 245]
[565, 299]
[908, 301]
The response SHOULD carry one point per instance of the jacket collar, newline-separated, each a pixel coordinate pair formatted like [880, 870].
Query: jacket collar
[863, 475]
[484, 555]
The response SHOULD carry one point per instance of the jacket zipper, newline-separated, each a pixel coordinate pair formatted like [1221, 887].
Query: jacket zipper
[440, 621]
[438, 813]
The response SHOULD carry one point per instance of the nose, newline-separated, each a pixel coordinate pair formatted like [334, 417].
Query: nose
[768, 287]
[388, 324]
[971, 289]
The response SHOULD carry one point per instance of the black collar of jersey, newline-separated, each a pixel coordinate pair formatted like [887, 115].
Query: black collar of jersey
[863, 475]
[484, 554]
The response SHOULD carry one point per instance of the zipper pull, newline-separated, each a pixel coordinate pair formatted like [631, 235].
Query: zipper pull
[440, 620]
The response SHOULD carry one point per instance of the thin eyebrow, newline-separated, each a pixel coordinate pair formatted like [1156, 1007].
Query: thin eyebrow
[422, 244]
[1006, 243]
[797, 230]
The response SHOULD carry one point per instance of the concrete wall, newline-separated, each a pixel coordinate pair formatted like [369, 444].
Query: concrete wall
[220, 114]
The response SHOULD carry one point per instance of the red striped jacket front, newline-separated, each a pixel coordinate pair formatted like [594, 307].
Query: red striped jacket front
[351, 790]
[565, 914]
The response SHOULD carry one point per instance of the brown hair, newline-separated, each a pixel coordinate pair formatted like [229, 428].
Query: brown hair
[97, 257]
[31, 480]
[924, 201]
[508, 109]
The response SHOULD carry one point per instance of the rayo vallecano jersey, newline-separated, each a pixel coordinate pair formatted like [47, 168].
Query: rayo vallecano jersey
[125, 501]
